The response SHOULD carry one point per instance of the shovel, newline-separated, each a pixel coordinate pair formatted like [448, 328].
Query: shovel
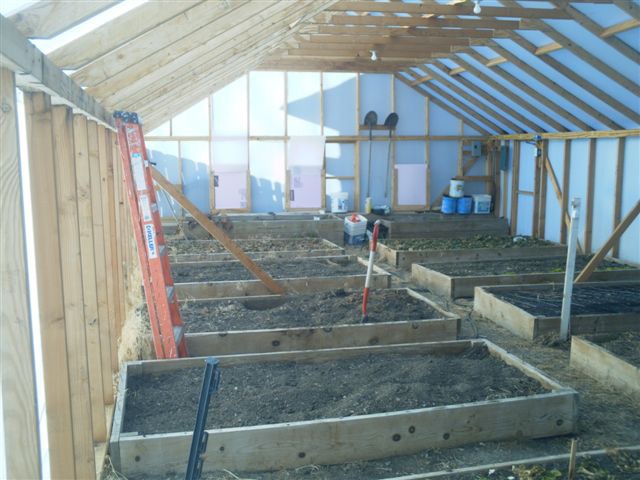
[390, 122]
[370, 120]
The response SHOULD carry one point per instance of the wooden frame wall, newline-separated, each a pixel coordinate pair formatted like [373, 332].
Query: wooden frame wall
[80, 242]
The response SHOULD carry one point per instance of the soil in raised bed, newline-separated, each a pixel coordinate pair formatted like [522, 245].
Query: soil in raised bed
[296, 268]
[268, 393]
[625, 345]
[478, 241]
[518, 266]
[585, 300]
[304, 310]
[177, 247]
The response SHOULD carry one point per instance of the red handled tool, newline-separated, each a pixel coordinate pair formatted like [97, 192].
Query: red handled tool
[372, 253]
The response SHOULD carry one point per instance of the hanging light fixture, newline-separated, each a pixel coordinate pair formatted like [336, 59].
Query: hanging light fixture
[374, 55]
[476, 7]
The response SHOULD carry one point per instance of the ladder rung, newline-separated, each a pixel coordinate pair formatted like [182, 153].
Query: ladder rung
[171, 294]
[178, 332]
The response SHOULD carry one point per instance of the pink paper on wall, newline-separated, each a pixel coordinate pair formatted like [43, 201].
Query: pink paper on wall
[230, 189]
[412, 184]
[305, 188]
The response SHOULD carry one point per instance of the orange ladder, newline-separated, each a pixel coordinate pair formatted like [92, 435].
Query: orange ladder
[164, 312]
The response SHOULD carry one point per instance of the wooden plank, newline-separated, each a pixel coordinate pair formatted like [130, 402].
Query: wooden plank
[88, 267]
[564, 204]
[100, 262]
[619, 28]
[515, 185]
[632, 132]
[47, 19]
[120, 226]
[424, 22]
[538, 165]
[218, 234]
[599, 256]
[604, 366]
[19, 412]
[542, 209]
[591, 174]
[363, 436]
[38, 72]
[70, 259]
[617, 208]
[50, 298]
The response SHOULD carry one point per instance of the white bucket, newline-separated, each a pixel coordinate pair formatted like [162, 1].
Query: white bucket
[481, 203]
[339, 202]
[456, 188]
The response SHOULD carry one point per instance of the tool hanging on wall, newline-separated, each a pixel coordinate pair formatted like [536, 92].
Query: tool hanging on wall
[370, 120]
[390, 122]
[162, 302]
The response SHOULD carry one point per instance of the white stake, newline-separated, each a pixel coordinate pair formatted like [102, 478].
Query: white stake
[565, 317]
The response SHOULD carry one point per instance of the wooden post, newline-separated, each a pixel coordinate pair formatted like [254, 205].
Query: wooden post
[542, 209]
[515, 185]
[79, 382]
[564, 204]
[88, 265]
[19, 409]
[591, 173]
[537, 161]
[100, 263]
[49, 280]
[615, 236]
[119, 203]
[617, 209]
[218, 234]
[565, 315]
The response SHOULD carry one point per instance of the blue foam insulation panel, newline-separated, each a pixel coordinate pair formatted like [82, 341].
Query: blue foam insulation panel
[195, 172]
[266, 103]
[578, 178]
[630, 240]
[379, 169]
[165, 155]
[410, 107]
[339, 103]
[266, 163]
[444, 165]
[553, 217]
[525, 215]
[229, 110]
[303, 103]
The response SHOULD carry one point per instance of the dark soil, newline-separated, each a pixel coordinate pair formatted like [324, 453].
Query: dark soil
[585, 300]
[625, 345]
[519, 266]
[268, 393]
[295, 268]
[479, 241]
[305, 310]
[177, 247]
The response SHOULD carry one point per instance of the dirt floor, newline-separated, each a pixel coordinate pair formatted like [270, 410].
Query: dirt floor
[625, 345]
[305, 310]
[293, 391]
[590, 299]
[519, 266]
[479, 241]
[606, 418]
[177, 247]
[295, 268]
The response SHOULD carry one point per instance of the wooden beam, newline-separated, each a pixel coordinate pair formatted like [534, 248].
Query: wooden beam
[619, 28]
[564, 205]
[218, 234]
[19, 407]
[49, 282]
[115, 33]
[47, 19]
[548, 48]
[598, 257]
[425, 22]
[617, 208]
[515, 186]
[542, 209]
[38, 72]
[591, 174]
[403, 32]
[632, 132]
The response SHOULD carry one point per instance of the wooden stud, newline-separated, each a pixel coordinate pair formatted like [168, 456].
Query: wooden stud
[79, 382]
[564, 204]
[100, 262]
[591, 173]
[614, 237]
[617, 209]
[356, 166]
[19, 412]
[515, 186]
[49, 280]
[537, 173]
[542, 209]
[88, 278]
[427, 106]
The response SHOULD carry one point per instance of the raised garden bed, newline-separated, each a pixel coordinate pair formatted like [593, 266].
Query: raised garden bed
[282, 410]
[437, 225]
[211, 250]
[301, 275]
[277, 225]
[458, 279]
[611, 359]
[530, 311]
[313, 321]
[402, 253]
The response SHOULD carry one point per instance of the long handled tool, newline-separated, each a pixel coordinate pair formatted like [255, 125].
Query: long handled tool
[390, 122]
[367, 283]
[370, 120]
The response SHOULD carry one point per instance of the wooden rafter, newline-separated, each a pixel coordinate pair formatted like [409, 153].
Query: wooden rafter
[426, 22]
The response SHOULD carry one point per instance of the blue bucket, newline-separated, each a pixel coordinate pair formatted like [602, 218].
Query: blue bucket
[464, 205]
[448, 205]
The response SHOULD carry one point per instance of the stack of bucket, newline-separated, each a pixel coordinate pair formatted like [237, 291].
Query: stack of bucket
[456, 201]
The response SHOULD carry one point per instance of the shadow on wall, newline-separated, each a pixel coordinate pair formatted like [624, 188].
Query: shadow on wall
[266, 196]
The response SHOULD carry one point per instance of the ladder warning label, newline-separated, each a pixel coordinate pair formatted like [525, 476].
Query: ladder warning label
[138, 172]
[145, 209]
[150, 237]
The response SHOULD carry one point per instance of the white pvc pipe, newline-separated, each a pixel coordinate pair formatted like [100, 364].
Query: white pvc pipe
[572, 243]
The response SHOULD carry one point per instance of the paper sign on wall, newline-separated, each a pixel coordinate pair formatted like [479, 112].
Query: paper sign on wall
[412, 184]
